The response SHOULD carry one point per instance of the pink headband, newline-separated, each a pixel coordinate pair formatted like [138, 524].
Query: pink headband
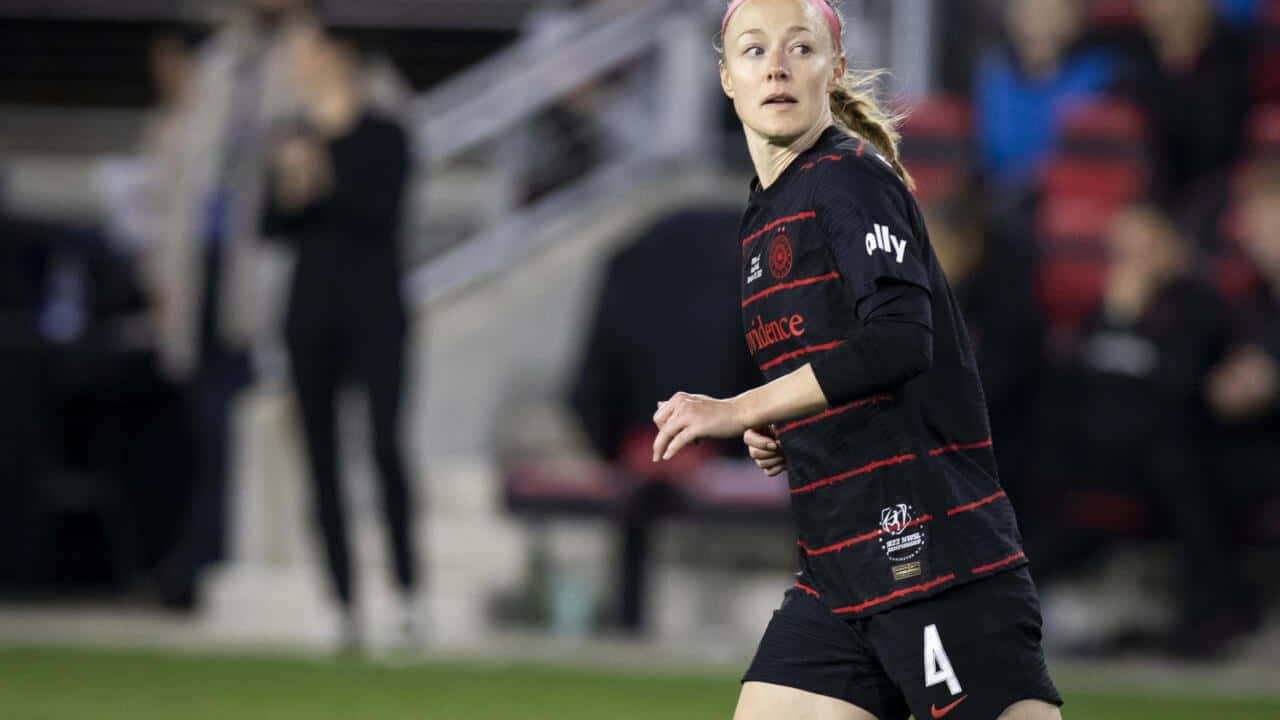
[822, 6]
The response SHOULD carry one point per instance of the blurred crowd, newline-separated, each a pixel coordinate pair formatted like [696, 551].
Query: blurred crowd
[274, 144]
[1101, 182]
[1102, 187]
[1122, 286]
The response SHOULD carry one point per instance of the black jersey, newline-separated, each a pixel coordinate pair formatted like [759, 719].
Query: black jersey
[895, 495]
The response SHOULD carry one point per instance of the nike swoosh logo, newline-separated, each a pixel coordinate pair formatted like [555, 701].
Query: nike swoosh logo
[939, 713]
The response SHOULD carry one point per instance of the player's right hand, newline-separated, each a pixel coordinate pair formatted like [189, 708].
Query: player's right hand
[765, 450]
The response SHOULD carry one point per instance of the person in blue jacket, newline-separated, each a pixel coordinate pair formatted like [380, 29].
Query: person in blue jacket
[1023, 88]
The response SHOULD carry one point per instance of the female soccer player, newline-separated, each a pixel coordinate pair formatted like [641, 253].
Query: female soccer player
[913, 594]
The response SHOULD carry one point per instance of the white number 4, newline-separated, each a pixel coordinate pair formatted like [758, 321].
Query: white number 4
[937, 667]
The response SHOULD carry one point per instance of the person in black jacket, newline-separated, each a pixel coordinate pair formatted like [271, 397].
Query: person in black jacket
[629, 359]
[1243, 390]
[1189, 72]
[337, 191]
[995, 289]
[1143, 423]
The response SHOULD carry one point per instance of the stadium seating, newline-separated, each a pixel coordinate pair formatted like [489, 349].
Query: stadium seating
[715, 491]
[937, 146]
[1099, 165]
[1233, 273]
[1112, 14]
[1265, 74]
[1264, 133]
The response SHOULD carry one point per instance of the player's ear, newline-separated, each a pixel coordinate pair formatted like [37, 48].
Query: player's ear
[837, 71]
[726, 82]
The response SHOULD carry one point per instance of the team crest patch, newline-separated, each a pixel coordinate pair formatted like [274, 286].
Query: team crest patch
[894, 519]
[894, 522]
[780, 257]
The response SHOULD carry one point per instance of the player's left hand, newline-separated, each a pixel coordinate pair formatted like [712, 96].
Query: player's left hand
[686, 418]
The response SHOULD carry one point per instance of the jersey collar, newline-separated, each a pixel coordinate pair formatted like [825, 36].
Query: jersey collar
[826, 142]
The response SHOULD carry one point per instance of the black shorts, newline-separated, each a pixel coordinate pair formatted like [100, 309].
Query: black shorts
[964, 654]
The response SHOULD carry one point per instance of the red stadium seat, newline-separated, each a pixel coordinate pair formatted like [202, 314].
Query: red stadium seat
[937, 146]
[938, 131]
[1111, 119]
[941, 116]
[1105, 129]
[937, 180]
[1116, 181]
[561, 485]
[1235, 277]
[1265, 73]
[1115, 512]
[1233, 273]
[1069, 289]
[1099, 167]
[1067, 224]
[1264, 130]
[1112, 13]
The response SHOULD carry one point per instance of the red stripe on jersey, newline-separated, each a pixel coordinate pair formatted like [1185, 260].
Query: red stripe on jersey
[789, 285]
[798, 353]
[809, 166]
[896, 594]
[860, 538]
[776, 223]
[858, 471]
[836, 411]
[998, 563]
[951, 448]
[861, 145]
[808, 589]
[976, 503]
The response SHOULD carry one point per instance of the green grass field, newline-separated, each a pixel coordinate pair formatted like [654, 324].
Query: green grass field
[48, 684]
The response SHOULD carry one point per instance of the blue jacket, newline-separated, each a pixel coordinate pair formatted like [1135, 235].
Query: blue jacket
[1018, 117]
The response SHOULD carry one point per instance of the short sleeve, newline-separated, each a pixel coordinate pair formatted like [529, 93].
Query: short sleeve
[870, 222]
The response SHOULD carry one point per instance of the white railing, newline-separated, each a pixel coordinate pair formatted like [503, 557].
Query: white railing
[515, 83]
[504, 93]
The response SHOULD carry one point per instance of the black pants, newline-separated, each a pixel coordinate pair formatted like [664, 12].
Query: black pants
[202, 533]
[321, 358]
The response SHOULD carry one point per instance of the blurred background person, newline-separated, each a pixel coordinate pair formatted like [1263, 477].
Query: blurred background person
[337, 190]
[143, 212]
[85, 409]
[685, 267]
[1023, 87]
[603, 119]
[1143, 425]
[206, 267]
[1186, 70]
[1244, 387]
[994, 286]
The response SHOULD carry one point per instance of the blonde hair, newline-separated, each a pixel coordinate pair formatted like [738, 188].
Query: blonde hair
[856, 108]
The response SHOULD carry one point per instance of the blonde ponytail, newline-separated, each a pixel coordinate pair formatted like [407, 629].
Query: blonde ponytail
[855, 108]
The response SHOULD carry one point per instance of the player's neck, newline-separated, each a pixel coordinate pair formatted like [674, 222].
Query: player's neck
[771, 157]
